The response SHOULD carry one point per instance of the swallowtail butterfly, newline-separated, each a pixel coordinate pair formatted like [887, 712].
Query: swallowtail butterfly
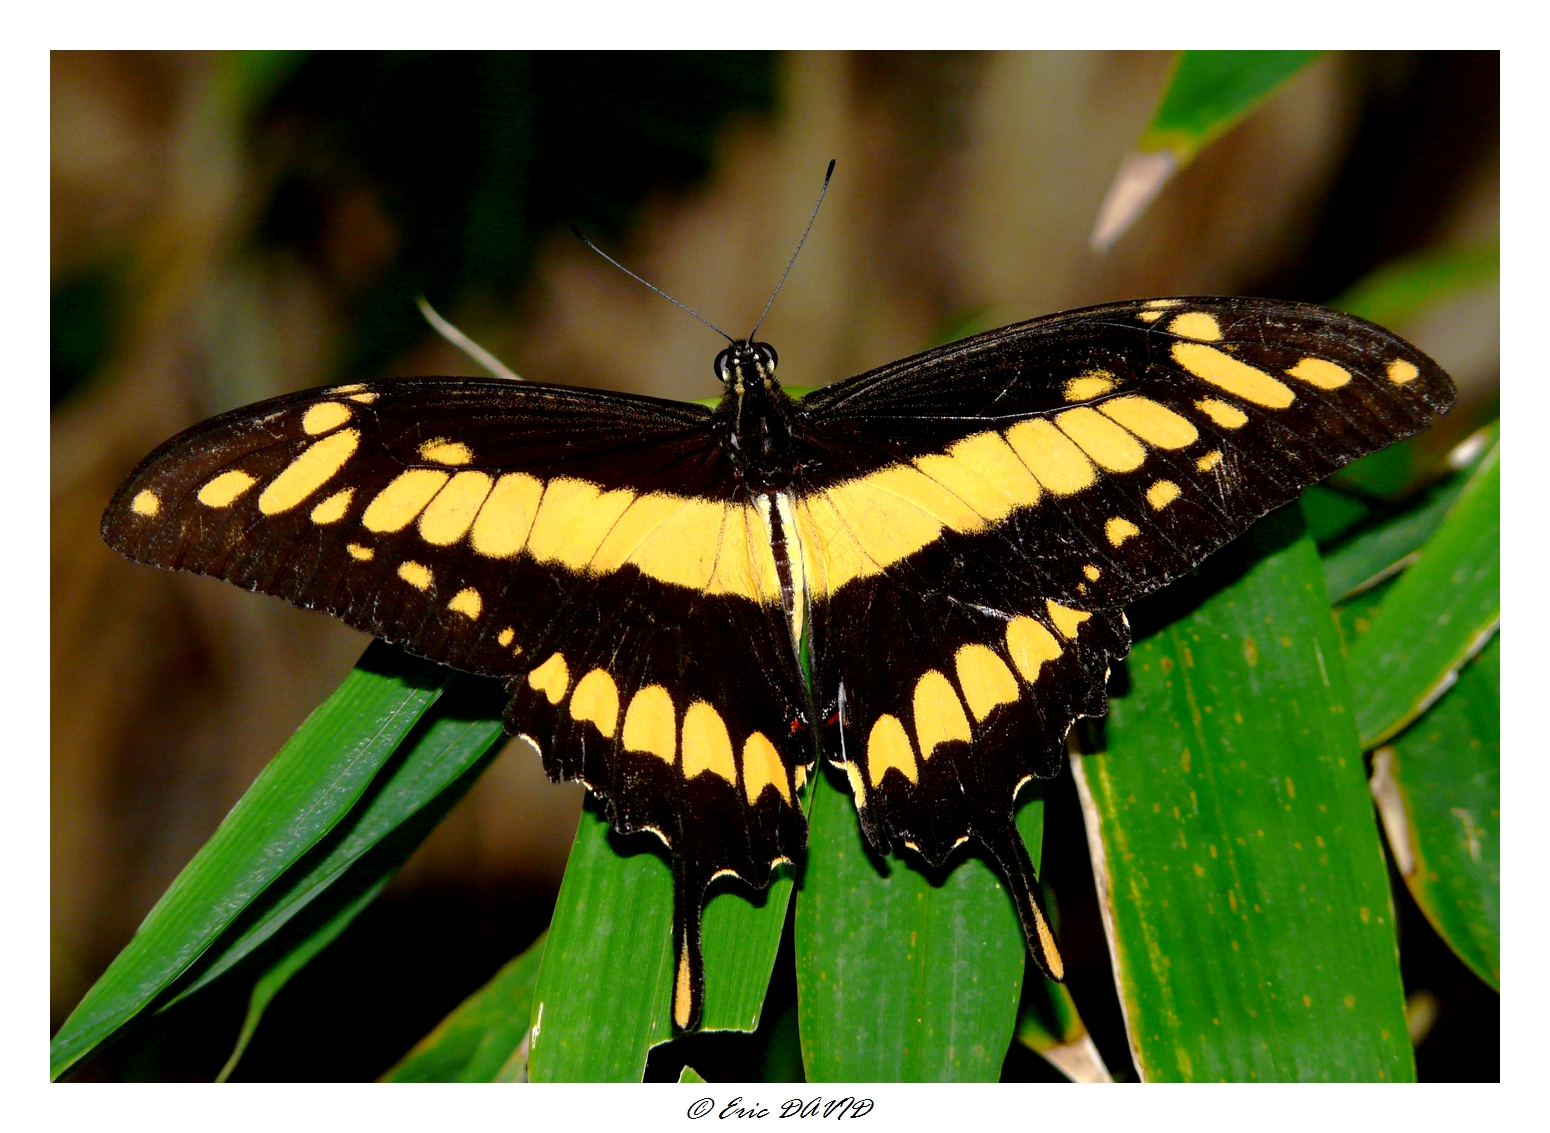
[952, 538]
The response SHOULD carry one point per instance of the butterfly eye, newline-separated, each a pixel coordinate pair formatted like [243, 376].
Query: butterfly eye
[767, 352]
[723, 366]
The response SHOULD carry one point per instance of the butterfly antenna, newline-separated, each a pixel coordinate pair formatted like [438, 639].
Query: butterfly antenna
[578, 234]
[467, 345]
[824, 189]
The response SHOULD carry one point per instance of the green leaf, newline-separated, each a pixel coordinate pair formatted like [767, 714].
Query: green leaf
[482, 1034]
[279, 974]
[1447, 769]
[605, 986]
[432, 769]
[1329, 514]
[304, 911]
[904, 973]
[690, 1074]
[1210, 92]
[1440, 611]
[1398, 291]
[1239, 869]
[311, 784]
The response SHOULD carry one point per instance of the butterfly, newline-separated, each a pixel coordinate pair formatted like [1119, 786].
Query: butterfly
[917, 574]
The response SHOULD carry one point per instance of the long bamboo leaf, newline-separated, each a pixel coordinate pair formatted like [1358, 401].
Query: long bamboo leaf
[1440, 611]
[270, 983]
[433, 768]
[1383, 549]
[312, 783]
[1240, 873]
[1207, 94]
[1447, 768]
[477, 1040]
[603, 990]
[904, 974]
[308, 908]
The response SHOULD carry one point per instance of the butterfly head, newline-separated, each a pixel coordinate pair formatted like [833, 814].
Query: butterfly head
[747, 364]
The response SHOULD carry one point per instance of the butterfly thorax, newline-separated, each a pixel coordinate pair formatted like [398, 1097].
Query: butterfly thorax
[758, 416]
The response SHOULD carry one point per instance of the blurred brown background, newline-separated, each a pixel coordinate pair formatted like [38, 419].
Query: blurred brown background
[226, 227]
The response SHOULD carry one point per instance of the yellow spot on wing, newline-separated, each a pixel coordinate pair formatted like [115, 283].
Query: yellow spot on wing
[596, 700]
[1401, 371]
[507, 515]
[1051, 456]
[354, 387]
[1118, 530]
[745, 563]
[1057, 966]
[887, 746]
[1210, 460]
[939, 716]
[1094, 383]
[921, 492]
[831, 556]
[1066, 620]
[397, 505]
[506, 637]
[1101, 439]
[984, 472]
[439, 450]
[1149, 316]
[763, 769]
[1238, 378]
[467, 601]
[1161, 304]
[644, 515]
[146, 502]
[363, 398]
[1226, 415]
[1153, 423]
[706, 746]
[417, 575]
[985, 680]
[1196, 324]
[1030, 645]
[452, 512]
[799, 772]
[1091, 572]
[308, 472]
[885, 526]
[332, 509]
[649, 723]
[857, 787]
[1320, 373]
[681, 549]
[1162, 493]
[323, 416]
[225, 488]
[682, 1002]
[572, 521]
[551, 678]
[360, 553]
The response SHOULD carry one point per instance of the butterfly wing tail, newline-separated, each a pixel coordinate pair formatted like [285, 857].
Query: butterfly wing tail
[1003, 843]
[690, 881]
